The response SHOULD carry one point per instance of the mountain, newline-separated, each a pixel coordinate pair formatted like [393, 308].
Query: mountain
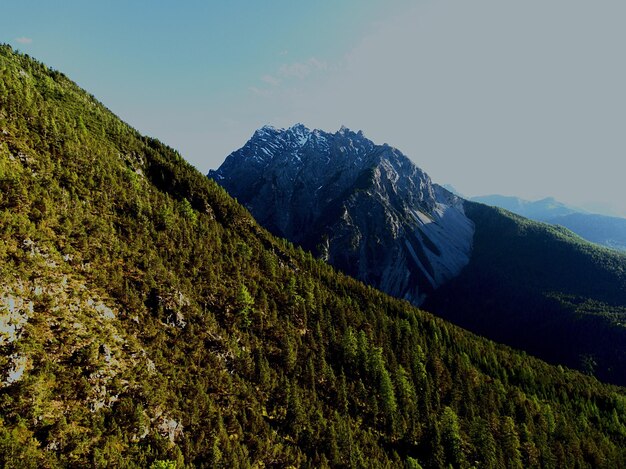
[370, 212]
[364, 208]
[147, 320]
[601, 229]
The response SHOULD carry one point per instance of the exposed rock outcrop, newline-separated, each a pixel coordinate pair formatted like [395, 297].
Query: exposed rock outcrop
[365, 208]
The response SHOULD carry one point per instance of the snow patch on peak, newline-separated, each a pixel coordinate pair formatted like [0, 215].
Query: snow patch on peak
[300, 133]
[299, 127]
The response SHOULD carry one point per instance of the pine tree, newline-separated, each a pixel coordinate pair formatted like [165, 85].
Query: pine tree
[245, 302]
[451, 438]
[511, 444]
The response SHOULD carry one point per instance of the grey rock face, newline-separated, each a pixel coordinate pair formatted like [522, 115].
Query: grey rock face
[365, 208]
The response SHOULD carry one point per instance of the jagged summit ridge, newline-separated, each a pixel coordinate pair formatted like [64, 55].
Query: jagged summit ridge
[366, 208]
[269, 142]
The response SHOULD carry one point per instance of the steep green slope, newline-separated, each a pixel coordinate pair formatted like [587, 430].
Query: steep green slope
[145, 316]
[542, 289]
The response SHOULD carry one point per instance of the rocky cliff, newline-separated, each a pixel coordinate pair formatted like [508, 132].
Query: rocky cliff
[365, 208]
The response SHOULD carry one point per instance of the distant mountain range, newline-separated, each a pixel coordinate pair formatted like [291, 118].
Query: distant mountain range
[601, 229]
[537, 210]
[369, 211]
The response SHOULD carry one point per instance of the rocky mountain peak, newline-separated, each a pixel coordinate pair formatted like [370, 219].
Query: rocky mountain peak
[365, 208]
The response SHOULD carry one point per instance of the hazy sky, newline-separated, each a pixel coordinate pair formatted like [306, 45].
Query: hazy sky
[523, 98]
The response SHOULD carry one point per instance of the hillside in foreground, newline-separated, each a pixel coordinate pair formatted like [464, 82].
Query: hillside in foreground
[145, 316]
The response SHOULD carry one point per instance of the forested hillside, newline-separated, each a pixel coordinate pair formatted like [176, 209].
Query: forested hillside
[542, 289]
[145, 317]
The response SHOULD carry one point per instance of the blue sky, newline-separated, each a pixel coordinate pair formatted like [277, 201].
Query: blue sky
[520, 98]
